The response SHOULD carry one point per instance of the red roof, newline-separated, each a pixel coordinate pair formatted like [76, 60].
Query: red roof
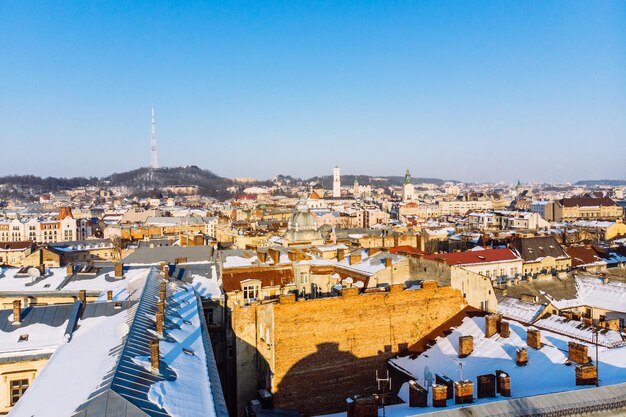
[314, 196]
[474, 257]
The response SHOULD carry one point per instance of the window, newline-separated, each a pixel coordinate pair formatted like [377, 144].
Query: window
[250, 292]
[17, 387]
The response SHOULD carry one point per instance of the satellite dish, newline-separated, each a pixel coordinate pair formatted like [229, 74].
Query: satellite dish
[359, 284]
[33, 272]
[348, 280]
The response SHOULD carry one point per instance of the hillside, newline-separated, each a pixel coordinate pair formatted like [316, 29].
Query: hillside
[613, 183]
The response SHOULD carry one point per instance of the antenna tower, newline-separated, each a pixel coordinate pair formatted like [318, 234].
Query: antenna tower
[154, 159]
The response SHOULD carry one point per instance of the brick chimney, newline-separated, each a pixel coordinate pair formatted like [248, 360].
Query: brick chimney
[463, 392]
[119, 270]
[503, 383]
[492, 323]
[486, 386]
[159, 324]
[418, 396]
[440, 395]
[388, 262]
[261, 255]
[466, 346]
[69, 269]
[109, 295]
[180, 260]
[154, 355]
[163, 292]
[505, 330]
[82, 296]
[533, 339]
[577, 352]
[586, 375]
[355, 259]
[341, 254]
[521, 357]
[17, 312]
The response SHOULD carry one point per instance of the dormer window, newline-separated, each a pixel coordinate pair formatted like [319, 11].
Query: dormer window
[251, 292]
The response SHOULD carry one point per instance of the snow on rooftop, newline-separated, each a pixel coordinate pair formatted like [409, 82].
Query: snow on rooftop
[193, 395]
[593, 292]
[106, 281]
[98, 336]
[23, 282]
[545, 372]
[41, 338]
[515, 309]
[579, 330]
[207, 287]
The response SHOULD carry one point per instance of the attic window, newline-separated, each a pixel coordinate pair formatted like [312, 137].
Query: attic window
[188, 351]
[47, 286]
[23, 338]
[118, 304]
[186, 322]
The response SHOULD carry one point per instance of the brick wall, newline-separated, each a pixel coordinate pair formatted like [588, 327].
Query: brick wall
[328, 349]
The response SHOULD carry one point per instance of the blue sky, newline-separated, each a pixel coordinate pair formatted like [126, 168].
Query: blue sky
[469, 90]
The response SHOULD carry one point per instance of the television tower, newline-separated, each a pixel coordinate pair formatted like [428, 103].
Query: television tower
[154, 159]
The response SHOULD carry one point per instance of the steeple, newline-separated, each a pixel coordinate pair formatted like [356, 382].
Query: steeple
[407, 177]
[356, 180]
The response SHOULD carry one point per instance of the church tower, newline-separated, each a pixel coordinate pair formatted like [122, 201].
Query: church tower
[408, 191]
[336, 182]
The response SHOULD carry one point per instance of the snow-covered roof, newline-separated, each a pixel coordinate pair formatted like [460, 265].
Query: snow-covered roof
[593, 292]
[512, 308]
[545, 372]
[105, 369]
[11, 280]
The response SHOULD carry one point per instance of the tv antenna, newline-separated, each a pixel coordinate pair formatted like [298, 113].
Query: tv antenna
[384, 384]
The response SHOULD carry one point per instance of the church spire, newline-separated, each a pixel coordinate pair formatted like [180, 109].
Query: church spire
[407, 177]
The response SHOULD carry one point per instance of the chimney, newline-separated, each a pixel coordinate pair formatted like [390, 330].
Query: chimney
[586, 375]
[492, 323]
[82, 296]
[17, 312]
[119, 270]
[440, 395]
[505, 330]
[154, 355]
[341, 254]
[69, 269]
[463, 392]
[533, 339]
[388, 262]
[181, 260]
[577, 352]
[354, 258]
[163, 292]
[261, 255]
[486, 386]
[109, 295]
[466, 346]
[418, 396]
[159, 324]
[503, 383]
[521, 357]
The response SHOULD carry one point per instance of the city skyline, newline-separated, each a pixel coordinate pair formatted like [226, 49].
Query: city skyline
[474, 92]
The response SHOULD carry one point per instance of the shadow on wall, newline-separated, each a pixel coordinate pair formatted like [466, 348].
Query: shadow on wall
[321, 382]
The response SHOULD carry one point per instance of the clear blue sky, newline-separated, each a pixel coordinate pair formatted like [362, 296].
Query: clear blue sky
[469, 90]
